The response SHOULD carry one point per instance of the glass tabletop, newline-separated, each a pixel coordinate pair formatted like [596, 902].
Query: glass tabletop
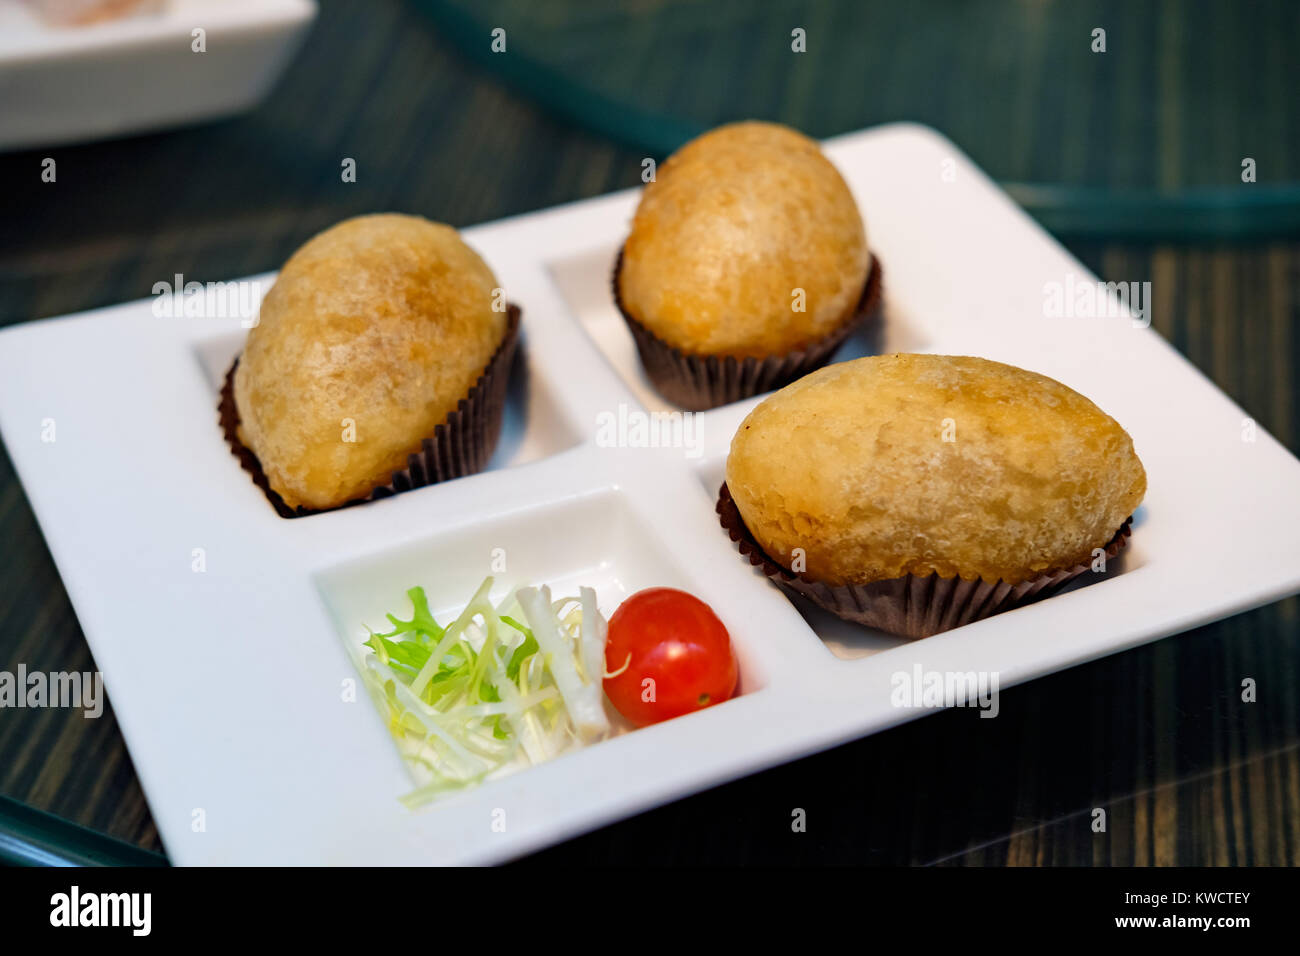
[1104, 119]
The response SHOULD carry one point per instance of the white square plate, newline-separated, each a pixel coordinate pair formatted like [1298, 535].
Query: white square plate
[227, 682]
[67, 84]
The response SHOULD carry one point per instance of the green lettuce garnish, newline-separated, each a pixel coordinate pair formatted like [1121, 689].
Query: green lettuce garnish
[482, 695]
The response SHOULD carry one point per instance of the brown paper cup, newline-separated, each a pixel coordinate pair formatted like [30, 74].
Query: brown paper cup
[700, 382]
[910, 606]
[460, 446]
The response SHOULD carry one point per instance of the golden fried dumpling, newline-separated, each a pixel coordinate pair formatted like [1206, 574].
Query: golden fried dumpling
[920, 464]
[733, 224]
[373, 332]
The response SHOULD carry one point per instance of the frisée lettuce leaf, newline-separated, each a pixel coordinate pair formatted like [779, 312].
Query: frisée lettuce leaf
[488, 694]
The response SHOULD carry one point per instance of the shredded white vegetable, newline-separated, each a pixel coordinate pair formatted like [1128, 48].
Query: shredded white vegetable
[489, 694]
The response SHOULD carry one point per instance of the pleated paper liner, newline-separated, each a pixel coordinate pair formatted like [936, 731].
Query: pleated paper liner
[910, 606]
[460, 446]
[700, 382]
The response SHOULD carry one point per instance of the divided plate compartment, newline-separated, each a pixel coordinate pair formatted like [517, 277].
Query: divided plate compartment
[230, 638]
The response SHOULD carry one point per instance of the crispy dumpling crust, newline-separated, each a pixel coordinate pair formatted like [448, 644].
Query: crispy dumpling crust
[382, 321]
[734, 222]
[850, 464]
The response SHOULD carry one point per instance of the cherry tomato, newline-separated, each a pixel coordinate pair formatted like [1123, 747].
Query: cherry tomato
[677, 653]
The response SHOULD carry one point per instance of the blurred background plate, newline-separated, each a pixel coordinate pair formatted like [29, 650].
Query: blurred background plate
[70, 83]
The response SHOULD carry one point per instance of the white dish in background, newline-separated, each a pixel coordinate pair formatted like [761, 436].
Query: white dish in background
[76, 84]
[226, 683]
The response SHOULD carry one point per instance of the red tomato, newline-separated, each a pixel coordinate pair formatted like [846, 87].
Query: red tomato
[678, 656]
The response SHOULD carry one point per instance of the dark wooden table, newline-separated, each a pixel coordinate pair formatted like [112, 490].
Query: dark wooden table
[1159, 737]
